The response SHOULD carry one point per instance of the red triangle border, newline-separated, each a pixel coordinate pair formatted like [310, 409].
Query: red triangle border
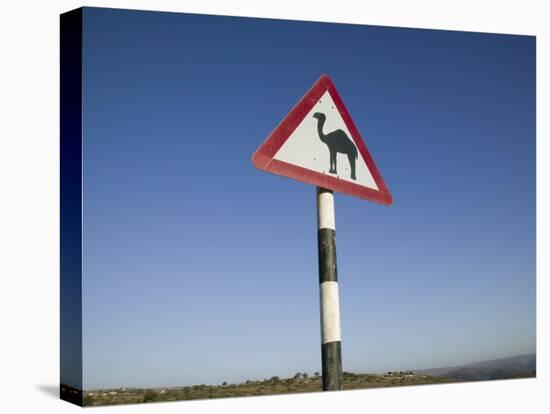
[263, 158]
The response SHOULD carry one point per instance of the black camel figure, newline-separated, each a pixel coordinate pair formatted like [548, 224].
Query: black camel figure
[337, 142]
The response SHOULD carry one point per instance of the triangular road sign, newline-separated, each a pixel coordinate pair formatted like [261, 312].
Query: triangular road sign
[318, 143]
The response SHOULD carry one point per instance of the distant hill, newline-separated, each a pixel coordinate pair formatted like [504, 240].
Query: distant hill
[518, 366]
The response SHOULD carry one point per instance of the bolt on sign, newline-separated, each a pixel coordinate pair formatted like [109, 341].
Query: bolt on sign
[318, 143]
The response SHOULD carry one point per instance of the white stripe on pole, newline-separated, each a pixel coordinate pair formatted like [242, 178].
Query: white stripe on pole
[325, 210]
[330, 312]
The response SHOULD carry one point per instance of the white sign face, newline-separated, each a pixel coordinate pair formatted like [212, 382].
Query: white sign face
[323, 143]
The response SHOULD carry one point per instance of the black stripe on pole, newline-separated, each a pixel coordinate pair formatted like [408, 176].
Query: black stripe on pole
[326, 243]
[331, 355]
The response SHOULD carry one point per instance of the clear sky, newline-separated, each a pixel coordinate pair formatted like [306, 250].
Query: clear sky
[198, 268]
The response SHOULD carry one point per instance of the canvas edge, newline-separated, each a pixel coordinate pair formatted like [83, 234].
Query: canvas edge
[70, 176]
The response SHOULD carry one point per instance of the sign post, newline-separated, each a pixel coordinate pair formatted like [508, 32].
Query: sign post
[318, 143]
[331, 350]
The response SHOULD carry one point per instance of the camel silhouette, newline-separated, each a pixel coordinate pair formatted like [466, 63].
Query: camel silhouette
[337, 142]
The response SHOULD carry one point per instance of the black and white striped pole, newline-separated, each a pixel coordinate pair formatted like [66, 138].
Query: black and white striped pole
[331, 351]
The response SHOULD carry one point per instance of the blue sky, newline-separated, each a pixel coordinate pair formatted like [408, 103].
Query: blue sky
[198, 268]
